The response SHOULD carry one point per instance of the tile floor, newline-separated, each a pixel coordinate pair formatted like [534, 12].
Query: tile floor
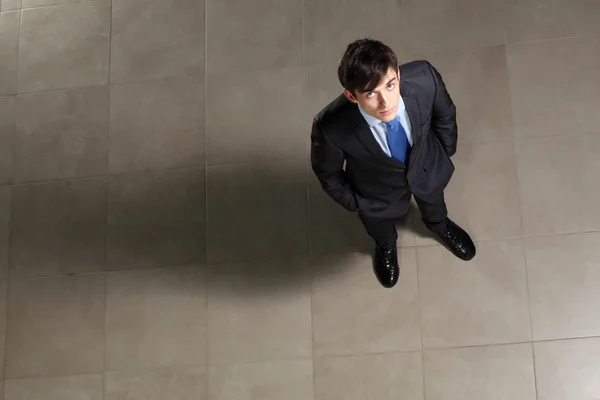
[162, 237]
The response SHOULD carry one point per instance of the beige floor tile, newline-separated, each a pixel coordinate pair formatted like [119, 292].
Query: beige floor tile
[56, 326]
[47, 3]
[581, 18]
[530, 20]
[9, 5]
[321, 87]
[491, 373]
[273, 380]
[477, 80]
[145, 45]
[241, 128]
[483, 196]
[7, 129]
[64, 47]
[429, 25]
[156, 219]
[345, 288]
[79, 387]
[58, 228]
[480, 302]
[568, 369]
[180, 384]
[3, 309]
[251, 208]
[254, 270]
[382, 377]
[555, 86]
[244, 35]
[157, 125]
[258, 318]
[5, 195]
[559, 183]
[10, 23]
[329, 26]
[61, 135]
[155, 318]
[564, 276]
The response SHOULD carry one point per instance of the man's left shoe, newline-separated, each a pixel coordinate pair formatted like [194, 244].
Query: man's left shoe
[458, 241]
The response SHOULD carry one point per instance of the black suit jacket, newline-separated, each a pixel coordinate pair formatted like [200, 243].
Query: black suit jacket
[355, 171]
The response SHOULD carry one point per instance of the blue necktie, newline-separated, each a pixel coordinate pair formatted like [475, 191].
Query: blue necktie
[397, 139]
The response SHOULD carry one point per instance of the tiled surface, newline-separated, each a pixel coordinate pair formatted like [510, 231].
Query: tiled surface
[146, 45]
[568, 369]
[541, 70]
[5, 195]
[65, 46]
[3, 294]
[492, 306]
[58, 227]
[155, 318]
[157, 125]
[156, 219]
[558, 183]
[272, 380]
[344, 288]
[9, 5]
[7, 131]
[252, 208]
[9, 49]
[61, 135]
[244, 35]
[382, 376]
[564, 272]
[88, 387]
[162, 235]
[329, 26]
[494, 373]
[56, 326]
[258, 316]
[178, 383]
[240, 127]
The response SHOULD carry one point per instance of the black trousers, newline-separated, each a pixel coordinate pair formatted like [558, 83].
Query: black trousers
[383, 230]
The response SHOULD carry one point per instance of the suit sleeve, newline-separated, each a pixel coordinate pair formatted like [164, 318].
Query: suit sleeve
[327, 162]
[443, 119]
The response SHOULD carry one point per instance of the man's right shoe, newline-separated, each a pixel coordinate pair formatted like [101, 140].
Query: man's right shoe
[386, 266]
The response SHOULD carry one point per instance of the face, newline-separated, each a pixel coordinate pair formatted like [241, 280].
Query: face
[382, 102]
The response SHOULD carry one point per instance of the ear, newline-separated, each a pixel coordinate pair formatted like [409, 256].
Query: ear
[350, 96]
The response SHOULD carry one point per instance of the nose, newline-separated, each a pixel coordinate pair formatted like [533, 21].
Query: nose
[383, 100]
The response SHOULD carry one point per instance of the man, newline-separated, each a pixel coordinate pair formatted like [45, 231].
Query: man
[394, 129]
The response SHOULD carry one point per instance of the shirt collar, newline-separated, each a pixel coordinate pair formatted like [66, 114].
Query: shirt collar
[372, 121]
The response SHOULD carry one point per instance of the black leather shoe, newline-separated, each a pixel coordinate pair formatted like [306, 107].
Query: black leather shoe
[386, 266]
[458, 241]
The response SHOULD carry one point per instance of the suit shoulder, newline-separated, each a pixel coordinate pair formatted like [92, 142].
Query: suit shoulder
[415, 68]
[335, 113]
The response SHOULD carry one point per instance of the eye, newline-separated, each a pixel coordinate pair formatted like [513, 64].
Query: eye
[369, 95]
[391, 86]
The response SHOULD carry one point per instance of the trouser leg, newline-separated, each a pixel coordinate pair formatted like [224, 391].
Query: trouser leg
[433, 213]
[382, 230]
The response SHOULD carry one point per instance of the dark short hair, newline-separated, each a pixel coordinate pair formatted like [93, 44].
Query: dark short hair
[364, 64]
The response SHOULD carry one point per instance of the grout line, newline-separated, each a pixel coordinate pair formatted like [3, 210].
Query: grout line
[7, 294]
[420, 323]
[107, 186]
[59, 5]
[206, 213]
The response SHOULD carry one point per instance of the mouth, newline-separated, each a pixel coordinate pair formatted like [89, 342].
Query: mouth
[386, 112]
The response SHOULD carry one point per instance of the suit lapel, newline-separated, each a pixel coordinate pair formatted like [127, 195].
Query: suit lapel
[414, 114]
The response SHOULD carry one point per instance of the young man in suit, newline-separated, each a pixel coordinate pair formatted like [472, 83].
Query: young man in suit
[389, 136]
